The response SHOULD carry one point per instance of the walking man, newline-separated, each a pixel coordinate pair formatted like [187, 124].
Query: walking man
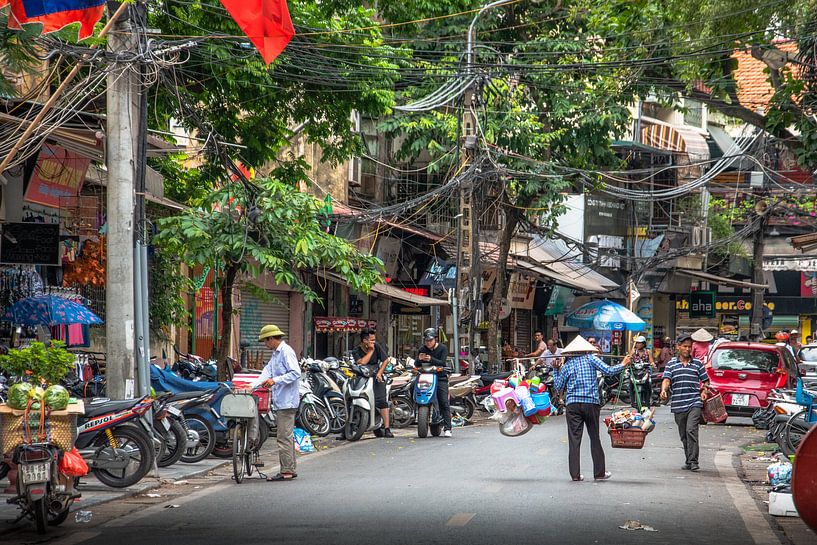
[578, 375]
[282, 373]
[683, 378]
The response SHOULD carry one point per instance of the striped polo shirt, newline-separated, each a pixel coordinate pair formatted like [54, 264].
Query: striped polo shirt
[685, 384]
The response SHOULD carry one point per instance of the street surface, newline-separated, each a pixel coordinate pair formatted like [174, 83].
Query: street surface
[414, 491]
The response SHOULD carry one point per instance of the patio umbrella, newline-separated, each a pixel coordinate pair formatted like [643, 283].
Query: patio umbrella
[605, 316]
[50, 310]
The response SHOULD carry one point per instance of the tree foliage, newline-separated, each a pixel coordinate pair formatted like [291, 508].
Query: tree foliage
[278, 230]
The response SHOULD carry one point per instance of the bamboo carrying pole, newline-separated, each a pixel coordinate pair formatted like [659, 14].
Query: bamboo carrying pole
[53, 99]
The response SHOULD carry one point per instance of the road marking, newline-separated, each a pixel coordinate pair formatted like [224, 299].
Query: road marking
[459, 520]
[753, 518]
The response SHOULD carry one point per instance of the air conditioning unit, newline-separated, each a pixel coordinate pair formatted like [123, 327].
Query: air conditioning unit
[700, 236]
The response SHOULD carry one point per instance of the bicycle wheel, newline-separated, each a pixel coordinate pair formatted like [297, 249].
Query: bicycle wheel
[239, 438]
[793, 432]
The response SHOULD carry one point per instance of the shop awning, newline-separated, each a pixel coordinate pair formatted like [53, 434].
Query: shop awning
[720, 280]
[729, 147]
[406, 297]
[674, 138]
[564, 276]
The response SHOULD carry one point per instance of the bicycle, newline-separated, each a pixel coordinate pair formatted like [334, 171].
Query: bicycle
[240, 409]
[799, 424]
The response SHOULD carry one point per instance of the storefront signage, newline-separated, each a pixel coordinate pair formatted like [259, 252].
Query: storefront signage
[731, 305]
[807, 264]
[808, 284]
[59, 173]
[334, 324]
[605, 226]
[702, 304]
[521, 290]
[30, 244]
[397, 308]
[424, 292]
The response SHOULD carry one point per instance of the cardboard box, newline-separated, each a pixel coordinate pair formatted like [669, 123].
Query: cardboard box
[782, 505]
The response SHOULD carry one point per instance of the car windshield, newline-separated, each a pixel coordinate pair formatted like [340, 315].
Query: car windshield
[808, 353]
[745, 360]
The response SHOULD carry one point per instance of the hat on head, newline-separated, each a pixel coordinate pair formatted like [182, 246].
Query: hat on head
[579, 345]
[640, 339]
[270, 331]
[684, 337]
[702, 336]
[794, 332]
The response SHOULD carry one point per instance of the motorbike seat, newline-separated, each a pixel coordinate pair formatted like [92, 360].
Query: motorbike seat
[109, 406]
[456, 380]
[181, 396]
[488, 379]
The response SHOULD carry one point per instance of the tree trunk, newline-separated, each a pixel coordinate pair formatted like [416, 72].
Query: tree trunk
[226, 294]
[501, 284]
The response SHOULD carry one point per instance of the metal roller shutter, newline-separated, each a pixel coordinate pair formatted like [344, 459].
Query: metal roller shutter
[255, 314]
[523, 334]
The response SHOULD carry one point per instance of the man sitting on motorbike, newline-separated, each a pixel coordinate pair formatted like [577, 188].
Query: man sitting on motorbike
[372, 354]
[435, 354]
[641, 369]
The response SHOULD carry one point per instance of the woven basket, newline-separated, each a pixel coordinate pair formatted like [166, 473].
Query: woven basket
[714, 409]
[629, 438]
[61, 430]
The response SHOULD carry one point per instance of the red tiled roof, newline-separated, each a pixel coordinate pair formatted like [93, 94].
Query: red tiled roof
[754, 89]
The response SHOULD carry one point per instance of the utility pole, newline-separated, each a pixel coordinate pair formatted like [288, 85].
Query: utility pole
[756, 323]
[119, 296]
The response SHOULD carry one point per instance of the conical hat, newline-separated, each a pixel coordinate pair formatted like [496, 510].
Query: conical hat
[702, 336]
[578, 346]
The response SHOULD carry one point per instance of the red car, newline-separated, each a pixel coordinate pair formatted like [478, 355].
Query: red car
[744, 373]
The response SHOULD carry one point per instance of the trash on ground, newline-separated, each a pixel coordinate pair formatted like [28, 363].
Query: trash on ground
[180, 482]
[636, 525]
[172, 506]
[83, 516]
[153, 495]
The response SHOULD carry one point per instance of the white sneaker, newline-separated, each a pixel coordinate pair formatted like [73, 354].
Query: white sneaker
[447, 433]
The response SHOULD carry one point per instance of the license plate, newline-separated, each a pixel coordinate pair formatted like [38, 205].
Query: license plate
[174, 411]
[166, 424]
[740, 399]
[35, 473]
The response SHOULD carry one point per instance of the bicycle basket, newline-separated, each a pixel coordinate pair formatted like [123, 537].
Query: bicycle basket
[238, 406]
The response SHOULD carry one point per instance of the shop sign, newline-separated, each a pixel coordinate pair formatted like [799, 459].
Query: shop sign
[59, 173]
[808, 284]
[336, 324]
[521, 291]
[30, 244]
[397, 308]
[807, 264]
[702, 304]
[731, 305]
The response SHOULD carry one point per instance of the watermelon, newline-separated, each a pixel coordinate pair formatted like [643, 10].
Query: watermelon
[56, 397]
[18, 395]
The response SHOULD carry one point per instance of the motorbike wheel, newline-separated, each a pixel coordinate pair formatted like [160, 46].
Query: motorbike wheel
[207, 439]
[436, 429]
[356, 424]
[175, 440]
[140, 453]
[40, 510]
[313, 419]
[794, 432]
[55, 518]
[470, 407]
[422, 421]
[338, 422]
[401, 412]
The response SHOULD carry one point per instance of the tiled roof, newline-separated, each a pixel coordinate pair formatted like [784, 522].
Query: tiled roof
[754, 89]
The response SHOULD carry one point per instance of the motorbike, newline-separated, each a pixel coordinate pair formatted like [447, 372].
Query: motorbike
[358, 393]
[785, 418]
[401, 405]
[44, 495]
[461, 395]
[113, 443]
[325, 389]
[425, 398]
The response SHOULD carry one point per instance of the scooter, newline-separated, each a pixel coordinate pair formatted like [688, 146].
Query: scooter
[461, 396]
[425, 397]
[358, 392]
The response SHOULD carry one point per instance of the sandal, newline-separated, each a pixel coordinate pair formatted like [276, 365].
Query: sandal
[282, 477]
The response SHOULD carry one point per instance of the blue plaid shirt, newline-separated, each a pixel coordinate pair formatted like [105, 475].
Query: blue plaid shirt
[579, 375]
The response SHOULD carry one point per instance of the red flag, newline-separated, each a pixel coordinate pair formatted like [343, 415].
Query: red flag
[55, 14]
[265, 22]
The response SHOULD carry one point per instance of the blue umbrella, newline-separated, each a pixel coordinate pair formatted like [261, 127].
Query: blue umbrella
[605, 316]
[50, 310]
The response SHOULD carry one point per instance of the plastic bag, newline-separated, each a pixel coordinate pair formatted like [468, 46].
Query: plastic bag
[72, 464]
[516, 425]
[303, 442]
[779, 473]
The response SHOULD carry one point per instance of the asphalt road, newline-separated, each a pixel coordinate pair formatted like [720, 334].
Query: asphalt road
[478, 487]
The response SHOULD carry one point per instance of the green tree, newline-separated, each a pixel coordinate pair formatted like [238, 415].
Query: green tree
[277, 230]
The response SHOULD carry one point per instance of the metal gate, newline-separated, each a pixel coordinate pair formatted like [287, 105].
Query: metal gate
[522, 326]
[256, 313]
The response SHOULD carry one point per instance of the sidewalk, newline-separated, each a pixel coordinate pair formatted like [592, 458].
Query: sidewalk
[754, 460]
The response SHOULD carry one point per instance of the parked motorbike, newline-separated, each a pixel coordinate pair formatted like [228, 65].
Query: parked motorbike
[195, 368]
[43, 494]
[461, 395]
[112, 442]
[358, 393]
[328, 392]
[401, 405]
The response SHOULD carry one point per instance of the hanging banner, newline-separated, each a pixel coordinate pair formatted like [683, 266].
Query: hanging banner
[521, 290]
[808, 284]
[59, 173]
